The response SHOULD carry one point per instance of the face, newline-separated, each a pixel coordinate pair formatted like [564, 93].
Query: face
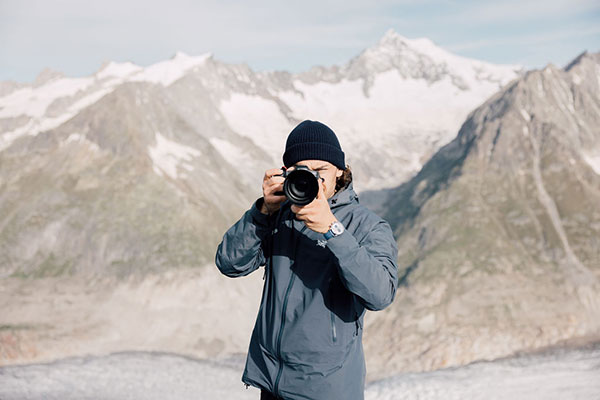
[326, 170]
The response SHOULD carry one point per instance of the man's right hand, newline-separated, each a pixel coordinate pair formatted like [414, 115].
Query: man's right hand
[271, 185]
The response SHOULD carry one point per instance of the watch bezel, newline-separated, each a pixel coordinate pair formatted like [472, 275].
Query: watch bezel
[336, 228]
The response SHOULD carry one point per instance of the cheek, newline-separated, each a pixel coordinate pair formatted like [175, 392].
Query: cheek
[330, 183]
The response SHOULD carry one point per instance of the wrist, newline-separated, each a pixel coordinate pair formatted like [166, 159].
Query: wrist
[267, 210]
[335, 229]
[324, 227]
[264, 209]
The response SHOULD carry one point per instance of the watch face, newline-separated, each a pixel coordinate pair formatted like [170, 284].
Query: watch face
[337, 228]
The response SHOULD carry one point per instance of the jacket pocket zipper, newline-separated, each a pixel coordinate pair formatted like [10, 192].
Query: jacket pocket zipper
[333, 331]
[331, 313]
[358, 324]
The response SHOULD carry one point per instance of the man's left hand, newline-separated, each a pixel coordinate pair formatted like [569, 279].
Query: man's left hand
[316, 215]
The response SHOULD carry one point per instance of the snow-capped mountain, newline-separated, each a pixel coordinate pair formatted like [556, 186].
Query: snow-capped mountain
[179, 148]
[53, 98]
[137, 170]
[395, 103]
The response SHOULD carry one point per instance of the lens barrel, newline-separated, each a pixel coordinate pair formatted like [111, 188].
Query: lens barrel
[301, 185]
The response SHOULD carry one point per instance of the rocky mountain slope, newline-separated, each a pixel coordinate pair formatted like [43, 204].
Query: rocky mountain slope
[134, 170]
[140, 171]
[499, 233]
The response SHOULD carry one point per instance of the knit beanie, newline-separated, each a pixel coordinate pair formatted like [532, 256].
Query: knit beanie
[312, 140]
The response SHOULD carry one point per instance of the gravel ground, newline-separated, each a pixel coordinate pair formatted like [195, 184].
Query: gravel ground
[557, 374]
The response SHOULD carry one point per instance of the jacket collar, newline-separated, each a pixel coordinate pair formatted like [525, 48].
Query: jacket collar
[344, 196]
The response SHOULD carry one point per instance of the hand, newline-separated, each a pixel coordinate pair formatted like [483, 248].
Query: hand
[271, 185]
[316, 215]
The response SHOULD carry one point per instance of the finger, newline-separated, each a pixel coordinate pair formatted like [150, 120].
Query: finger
[274, 184]
[274, 188]
[276, 195]
[276, 180]
[273, 192]
[298, 210]
[272, 172]
[277, 199]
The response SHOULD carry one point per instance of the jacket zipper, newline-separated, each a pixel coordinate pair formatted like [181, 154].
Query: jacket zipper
[279, 336]
[333, 332]
[332, 315]
[284, 307]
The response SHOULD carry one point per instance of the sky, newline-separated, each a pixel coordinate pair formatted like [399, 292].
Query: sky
[76, 37]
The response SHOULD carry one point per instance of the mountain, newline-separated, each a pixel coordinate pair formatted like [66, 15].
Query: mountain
[136, 173]
[499, 233]
[134, 170]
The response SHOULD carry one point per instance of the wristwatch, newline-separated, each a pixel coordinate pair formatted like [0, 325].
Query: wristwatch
[335, 229]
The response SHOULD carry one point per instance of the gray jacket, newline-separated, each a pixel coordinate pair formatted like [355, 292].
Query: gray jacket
[307, 340]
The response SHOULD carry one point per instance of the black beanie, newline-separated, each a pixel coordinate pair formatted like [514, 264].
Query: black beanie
[312, 140]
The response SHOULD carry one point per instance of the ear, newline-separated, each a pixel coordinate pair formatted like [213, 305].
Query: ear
[339, 173]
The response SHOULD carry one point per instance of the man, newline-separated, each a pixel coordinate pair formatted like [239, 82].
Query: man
[325, 264]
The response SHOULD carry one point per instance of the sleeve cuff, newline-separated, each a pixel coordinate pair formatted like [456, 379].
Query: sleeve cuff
[258, 217]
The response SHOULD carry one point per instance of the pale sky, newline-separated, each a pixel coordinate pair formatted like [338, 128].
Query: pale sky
[77, 36]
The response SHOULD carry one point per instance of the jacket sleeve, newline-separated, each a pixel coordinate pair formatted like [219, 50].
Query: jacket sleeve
[368, 269]
[243, 246]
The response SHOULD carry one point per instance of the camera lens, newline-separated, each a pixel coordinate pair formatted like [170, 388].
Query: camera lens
[301, 186]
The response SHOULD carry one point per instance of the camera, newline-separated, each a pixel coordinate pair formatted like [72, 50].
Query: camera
[301, 185]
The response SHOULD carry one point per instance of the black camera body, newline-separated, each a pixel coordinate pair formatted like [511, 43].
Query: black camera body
[301, 185]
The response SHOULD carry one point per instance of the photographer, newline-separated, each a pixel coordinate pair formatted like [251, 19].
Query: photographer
[326, 263]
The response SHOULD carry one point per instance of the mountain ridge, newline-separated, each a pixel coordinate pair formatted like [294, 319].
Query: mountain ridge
[498, 233]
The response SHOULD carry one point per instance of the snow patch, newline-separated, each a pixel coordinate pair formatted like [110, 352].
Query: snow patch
[238, 158]
[393, 102]
[259, 119]
[78, 138]
[593, 161]
[167, 155]
[525, 114]
[41, 124]
[34, 102]
[167, 72]
[229, 151]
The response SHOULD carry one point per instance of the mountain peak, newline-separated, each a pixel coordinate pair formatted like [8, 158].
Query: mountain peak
[168, 71]
[46, 76]
[391, 36]
[421, 58]
[117, 69]
[576, 60]
[182, 56]
[396, 40]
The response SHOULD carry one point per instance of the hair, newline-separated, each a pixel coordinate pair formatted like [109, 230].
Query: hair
[343, 181]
